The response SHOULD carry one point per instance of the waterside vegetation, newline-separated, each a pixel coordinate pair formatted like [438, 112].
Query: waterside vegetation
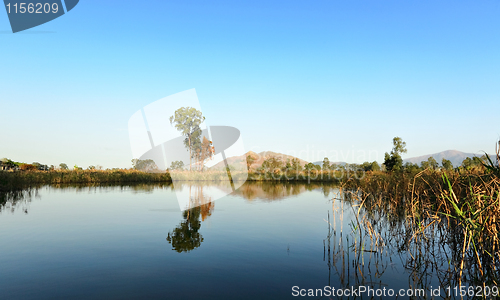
[11, 180]
[447, 221]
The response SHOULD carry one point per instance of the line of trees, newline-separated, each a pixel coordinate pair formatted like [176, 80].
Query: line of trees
[188, 120]
[393, 162]
[10, 165]
[7, 164]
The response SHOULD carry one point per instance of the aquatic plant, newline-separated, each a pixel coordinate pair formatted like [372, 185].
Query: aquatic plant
[457, 210]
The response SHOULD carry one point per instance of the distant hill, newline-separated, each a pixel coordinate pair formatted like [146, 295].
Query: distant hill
[456, 157]
[240, 162]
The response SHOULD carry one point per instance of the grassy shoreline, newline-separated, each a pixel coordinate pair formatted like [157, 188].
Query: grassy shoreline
[457, 209]
[23, 179]
[20, 179]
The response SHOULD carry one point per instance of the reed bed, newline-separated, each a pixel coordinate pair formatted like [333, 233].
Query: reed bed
[13, 180]
[355, 249]
[23, 179]
[447, 223]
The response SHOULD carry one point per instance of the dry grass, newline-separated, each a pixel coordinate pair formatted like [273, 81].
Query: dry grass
[22, 179]
[459, 211]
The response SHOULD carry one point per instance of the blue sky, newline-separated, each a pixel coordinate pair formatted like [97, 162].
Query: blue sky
[304, 77]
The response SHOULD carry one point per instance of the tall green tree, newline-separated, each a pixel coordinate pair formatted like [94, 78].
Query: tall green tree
[273, 164]
[447, 165]
[375, 166]
[466, 163]
[196, 143]
[411, 167]
[326, 164]
[474, 162]
[251, 158]
[430, 163]
[145, 165]
[370, 166]
[204, 152]
[187, 120]
[176, 165]
[63, 166]
[433, 164]
[295, 162]
[311, 167]
[393, 161]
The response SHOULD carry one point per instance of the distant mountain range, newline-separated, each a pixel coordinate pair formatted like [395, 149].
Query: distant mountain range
[456, 157]
[239, 162]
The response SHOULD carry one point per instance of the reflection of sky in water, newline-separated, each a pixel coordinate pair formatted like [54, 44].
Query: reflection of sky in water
[112, 243]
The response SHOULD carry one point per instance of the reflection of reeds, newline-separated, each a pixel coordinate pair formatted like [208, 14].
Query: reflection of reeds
[11, 200]
[359, 257]
[20, 198]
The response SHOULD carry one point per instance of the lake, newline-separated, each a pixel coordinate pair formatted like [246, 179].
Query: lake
[264, 241]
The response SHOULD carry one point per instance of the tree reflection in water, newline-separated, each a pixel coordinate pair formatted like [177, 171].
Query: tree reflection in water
[186, 237]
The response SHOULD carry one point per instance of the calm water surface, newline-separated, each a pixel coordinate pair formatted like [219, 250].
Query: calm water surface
[134, 242]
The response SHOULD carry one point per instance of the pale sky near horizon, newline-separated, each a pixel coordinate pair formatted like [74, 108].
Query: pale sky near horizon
[308, 78]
